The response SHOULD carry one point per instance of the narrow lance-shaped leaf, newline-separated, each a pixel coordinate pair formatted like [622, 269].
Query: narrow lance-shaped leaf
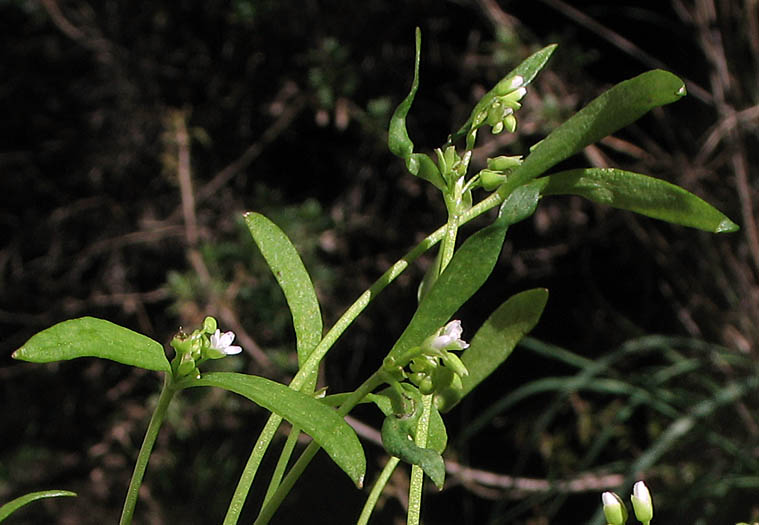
[15, 504]
[642, 194]
[316, 419]
[91, 337]
[528, 69]
[497, 338]
[468, 270]
[614, 109]
[293, 278]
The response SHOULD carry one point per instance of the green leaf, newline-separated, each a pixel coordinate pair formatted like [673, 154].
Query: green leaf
[528, 69]
[318, 420]
[499, 335]
[15, 504]
[468, 270]
[91, 337]
[397, 441]
[639, 193]
[614, 109]
[437, 436]
[398, 141]
[293, 278]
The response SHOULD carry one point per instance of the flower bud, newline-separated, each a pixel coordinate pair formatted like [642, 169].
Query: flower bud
[209, 325]
[507, 85]
[504, 162]
[614, 509]
[642, 504]
[490, 180]
[510, 123]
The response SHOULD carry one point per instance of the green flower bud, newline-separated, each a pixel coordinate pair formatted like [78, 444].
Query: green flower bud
[426, 386]
[453, 362]
[614, 509]
[490, 180]
[642, 504]
[209, 325]
[479, 119]
[510, 123]
[495, 113]
[181, 343]
[498, 128]
[187, 367]
[504, 162]
[423, 363]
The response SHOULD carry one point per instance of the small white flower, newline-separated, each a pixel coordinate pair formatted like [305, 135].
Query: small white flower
[223, 343]
[449, 338]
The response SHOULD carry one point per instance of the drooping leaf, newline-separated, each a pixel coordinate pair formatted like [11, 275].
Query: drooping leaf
[639, 193]
[397, 441]
[398, 140]
[527, 69]
[316, 419]
[468, 270]
[498, 336]
[403, 411]
[293, 278]
[437, 436]
[617, 107]
[92, 337]
[15, 504]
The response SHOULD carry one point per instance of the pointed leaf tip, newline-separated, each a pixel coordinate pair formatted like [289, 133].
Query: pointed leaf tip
[727, 226]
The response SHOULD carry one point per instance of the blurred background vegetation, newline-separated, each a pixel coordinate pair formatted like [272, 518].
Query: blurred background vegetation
[134, 134]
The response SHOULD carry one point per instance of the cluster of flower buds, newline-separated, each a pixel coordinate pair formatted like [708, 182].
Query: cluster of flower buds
[436, 368]
[433, 367]
[498, 169]
[451, 165]
[499, 113]
[616, 513]
[204, 343]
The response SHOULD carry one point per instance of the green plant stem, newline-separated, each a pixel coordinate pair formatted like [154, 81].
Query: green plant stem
[267, 511]
[251, 467]
[167, 393]
[416, 484]
[342, 324]
[377, 488]
[284, 458]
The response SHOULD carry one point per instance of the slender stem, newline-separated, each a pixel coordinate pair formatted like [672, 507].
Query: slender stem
[447, 247]
[377, 488]
[167, 393]
[417, 474]
[251, 467]
[305, 458]
[284, 458]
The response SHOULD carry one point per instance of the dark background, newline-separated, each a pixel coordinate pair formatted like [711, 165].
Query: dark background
[282, 108]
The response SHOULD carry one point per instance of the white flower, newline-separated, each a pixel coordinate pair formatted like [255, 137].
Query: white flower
[642, 504]
[223, 343]
[449, 338]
